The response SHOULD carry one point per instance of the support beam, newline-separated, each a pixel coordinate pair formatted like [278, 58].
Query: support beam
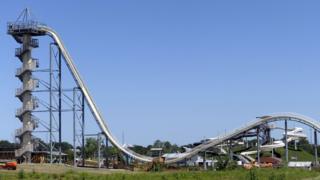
[106, 151]
[82, 131]
[60, 105]
[230, 150]
[127, 160]
[268, 133]
[258, 145]
[205, 160]
[286, 140]
[50, 100]
[272, 151]
[247, 143]
[270, 140]
[74, 128]
[315, 147]
[99, 150]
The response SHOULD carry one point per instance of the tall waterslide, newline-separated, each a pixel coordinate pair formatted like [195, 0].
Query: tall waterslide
[45, 30]
[102, 124]
[93, 107]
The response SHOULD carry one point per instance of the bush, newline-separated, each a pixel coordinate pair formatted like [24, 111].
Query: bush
[222, 163]
[252, 175]
[225, 164]
[21, 174]
[157, 167]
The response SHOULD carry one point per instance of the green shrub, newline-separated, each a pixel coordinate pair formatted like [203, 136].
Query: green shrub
[21, 174]
[252, 175]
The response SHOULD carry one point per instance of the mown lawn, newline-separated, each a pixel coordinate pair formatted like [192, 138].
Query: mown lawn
[261, 174]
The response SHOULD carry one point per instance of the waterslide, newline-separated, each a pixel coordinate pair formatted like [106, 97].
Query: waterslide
[268, 147]
[251, 125]
[293, 134]
[93, 107]
[213, 142]
[244, 158]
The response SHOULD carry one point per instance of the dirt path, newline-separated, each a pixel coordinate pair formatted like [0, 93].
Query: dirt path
[57, 169]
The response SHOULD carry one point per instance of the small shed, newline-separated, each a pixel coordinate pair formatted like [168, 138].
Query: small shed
[156, 152]
[7, 153]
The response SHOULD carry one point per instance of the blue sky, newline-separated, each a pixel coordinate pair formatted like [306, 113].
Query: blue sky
[178, 70]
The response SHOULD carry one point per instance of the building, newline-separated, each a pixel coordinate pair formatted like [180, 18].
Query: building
[300, 164]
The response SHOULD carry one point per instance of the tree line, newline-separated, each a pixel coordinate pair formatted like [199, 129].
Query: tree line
[91, 147]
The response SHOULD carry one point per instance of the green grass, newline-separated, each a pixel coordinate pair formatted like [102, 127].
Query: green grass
[261, 174]
[300, 154]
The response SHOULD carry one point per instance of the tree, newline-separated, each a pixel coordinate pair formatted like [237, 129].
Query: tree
[158, 144]
[166, 146]
[91, 147]
[65, 146]
[7, 145]
[140, 149]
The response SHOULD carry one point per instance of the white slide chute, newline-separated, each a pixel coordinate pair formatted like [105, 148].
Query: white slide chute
[211, 143]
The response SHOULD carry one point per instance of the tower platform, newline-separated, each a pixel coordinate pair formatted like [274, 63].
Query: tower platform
[28, 27]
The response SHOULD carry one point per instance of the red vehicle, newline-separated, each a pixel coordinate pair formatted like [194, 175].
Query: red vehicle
[9, 165]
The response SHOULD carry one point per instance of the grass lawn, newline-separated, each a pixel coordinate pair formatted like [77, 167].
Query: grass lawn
[301, 155]
[268, 174]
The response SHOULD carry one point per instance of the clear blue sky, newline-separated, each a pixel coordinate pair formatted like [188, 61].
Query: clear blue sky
[179, 70]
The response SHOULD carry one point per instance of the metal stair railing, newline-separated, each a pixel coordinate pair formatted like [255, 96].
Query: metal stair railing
[31, 66]
[31, 85]
[24, 149]
[28, 128]
[30, 106]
